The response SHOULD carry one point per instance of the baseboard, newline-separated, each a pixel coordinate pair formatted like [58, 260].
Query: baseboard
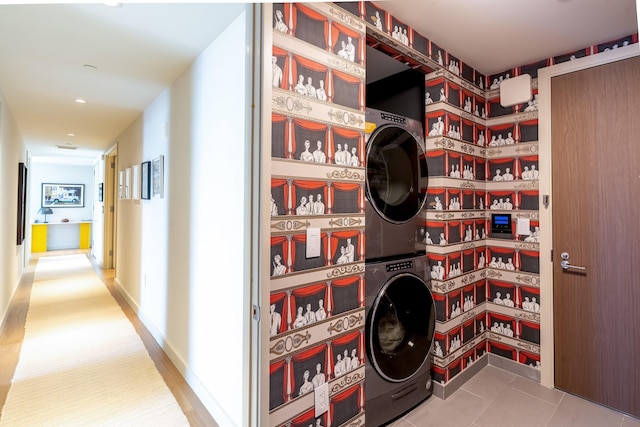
[212, 406]
[514, 367]
[446, 390]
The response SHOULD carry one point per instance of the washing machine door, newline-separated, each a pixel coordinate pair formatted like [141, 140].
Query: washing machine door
[396, 174]
[400, 326]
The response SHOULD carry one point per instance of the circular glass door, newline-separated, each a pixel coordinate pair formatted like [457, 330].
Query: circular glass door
[396, 174]
[401, 326]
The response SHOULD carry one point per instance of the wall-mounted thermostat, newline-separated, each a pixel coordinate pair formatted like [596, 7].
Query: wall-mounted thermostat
[501, 224]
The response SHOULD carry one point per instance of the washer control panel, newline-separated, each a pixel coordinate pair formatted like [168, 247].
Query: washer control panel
[393, 118]
[399, 266]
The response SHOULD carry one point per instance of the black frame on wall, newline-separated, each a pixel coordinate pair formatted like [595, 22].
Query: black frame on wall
[22, 203]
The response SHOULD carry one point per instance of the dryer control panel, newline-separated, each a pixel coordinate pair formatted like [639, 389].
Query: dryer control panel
[399, 266]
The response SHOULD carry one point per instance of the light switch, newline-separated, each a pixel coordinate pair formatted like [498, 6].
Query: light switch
[321, 395]
[313, 242]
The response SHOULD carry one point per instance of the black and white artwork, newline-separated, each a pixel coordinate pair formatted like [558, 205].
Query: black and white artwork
[279, 23]
[572, 56]
[62, 195]
[375, 16]
[615, 44]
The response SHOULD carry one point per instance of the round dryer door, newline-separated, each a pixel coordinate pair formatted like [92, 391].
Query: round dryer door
[396, 174]
[401, 325]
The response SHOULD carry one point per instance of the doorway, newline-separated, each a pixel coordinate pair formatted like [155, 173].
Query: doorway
[110, 209]
[592, 147]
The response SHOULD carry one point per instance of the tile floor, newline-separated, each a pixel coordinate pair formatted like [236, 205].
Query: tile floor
[496, 398]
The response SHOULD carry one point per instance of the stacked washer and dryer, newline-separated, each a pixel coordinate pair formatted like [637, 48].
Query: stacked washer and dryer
[400, 308]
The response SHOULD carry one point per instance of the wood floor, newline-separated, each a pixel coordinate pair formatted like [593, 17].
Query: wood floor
[12, 336]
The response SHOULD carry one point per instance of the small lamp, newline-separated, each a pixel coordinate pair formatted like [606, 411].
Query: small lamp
[45, 212]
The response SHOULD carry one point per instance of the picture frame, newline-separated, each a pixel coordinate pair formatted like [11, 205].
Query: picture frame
[157, 177]
[127, 183]
[135, 182]
[145, 181]
[101, 192]
[62, 195]
[121, 184]
[22, 203]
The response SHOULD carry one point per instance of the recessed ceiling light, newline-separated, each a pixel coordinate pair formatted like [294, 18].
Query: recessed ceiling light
[81, 101]
[66, 147]
[113, 4]
[71, 134]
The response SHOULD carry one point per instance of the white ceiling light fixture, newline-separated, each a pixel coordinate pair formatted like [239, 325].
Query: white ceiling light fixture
[66, 147]
[71, 134]
[81, 101]
[113, 4]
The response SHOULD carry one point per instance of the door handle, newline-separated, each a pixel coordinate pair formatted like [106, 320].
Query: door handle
[566, 265]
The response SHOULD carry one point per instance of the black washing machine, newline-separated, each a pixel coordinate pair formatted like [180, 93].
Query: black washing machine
[400, 324]
[396, 184]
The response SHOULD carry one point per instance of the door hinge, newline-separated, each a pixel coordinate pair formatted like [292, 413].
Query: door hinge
[113, 164]
[111, 253]
[551, 255]
[256, 313]
[111, 209]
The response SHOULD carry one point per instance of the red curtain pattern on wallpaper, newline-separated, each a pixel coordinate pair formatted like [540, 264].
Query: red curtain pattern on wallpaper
[309, 186]
[276, 299]
[277, 375]
[302, 238]
[281, 145]
[279, 245]
[497, 130]
[320, 290]
[525, 159]
[345, 405]
[307, 419]
[305, 124]
[356, 136]
[283, 55]
[347, 282]
[334, 243]
[311, 14]
[282, 185]
[339, 31]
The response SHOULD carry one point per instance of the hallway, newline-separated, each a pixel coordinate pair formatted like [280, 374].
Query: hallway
[12, 338]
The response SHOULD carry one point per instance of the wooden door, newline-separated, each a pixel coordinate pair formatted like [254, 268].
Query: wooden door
[596, 220]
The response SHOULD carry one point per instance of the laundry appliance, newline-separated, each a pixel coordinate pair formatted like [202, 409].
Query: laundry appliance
[396, 184]
[400, 325]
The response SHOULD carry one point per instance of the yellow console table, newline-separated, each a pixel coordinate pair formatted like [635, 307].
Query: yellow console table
[51, 236]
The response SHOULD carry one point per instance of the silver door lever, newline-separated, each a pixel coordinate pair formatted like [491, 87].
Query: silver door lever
[566, 265]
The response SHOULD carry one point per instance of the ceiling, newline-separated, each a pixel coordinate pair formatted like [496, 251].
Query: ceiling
[120, 58]
[496, 35]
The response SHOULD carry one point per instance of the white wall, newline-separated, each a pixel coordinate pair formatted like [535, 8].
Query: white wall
[12, 256]
[60, 173]
[182, 260]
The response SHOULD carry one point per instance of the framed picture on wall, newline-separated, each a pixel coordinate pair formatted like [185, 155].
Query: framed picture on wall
[121, 184]
[62, 195]
[22, 202]
[157, 177]
[145, 180]
[127, 183]
[135, 182]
